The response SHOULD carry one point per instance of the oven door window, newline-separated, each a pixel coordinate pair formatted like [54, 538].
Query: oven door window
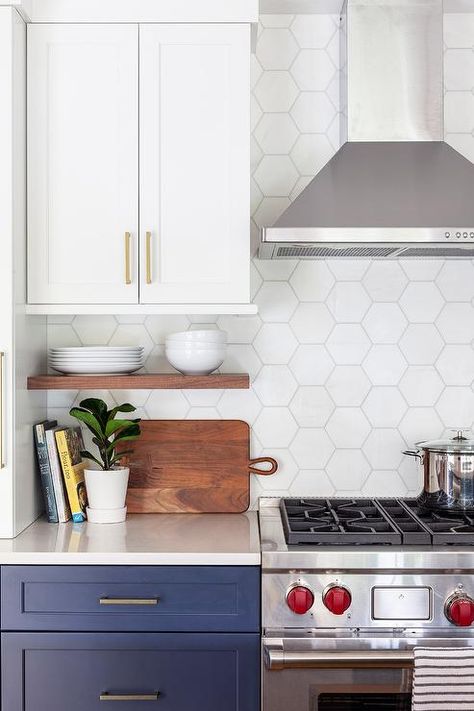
[366, 701]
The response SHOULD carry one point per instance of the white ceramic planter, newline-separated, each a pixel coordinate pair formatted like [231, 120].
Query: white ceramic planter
[106, 492]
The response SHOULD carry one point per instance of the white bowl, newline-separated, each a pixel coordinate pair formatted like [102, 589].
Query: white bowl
[209, 336]
[201, 345]
[196, 361]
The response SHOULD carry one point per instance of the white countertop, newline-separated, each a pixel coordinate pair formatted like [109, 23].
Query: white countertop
[143, 539]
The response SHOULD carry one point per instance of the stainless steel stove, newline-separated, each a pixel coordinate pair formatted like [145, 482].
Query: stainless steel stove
[349, 588]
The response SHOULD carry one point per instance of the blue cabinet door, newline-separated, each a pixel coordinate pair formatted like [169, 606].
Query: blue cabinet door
[169, 672]
[94, 598]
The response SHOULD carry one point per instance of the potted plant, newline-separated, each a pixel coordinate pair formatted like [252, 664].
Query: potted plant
[107, 481]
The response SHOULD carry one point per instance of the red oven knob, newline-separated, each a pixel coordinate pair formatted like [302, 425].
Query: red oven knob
[300, 600]
[460, 610]
[337, 600]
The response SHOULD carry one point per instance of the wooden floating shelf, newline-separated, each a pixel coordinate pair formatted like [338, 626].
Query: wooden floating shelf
[147, 381]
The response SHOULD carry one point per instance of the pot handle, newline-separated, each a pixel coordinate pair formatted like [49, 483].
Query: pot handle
[263, 460]
[414, 453]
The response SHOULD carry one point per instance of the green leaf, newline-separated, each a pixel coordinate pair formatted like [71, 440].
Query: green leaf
[133, 430]
[126, 407]
[87, 455]
[114, 425]
[97, 407]
[88, 419]
[127, 438]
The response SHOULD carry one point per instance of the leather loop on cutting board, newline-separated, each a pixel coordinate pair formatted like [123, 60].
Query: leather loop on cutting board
[263, 460]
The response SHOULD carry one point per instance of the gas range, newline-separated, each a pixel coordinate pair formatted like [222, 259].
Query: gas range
[356, 584]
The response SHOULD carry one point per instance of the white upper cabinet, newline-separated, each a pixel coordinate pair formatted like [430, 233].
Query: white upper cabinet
[105, 100]
[82, 164]
[194, 158]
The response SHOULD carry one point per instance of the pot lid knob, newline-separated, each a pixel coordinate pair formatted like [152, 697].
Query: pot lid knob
[459, 436]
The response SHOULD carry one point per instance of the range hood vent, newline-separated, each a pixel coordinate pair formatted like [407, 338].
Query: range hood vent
[395, 188]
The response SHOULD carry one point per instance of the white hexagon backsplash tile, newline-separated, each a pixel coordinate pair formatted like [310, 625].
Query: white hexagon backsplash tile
[421, 385]
[384, 365]
[456, 365]
[384, 406]
[275, 385]
[276, 302]
[310, 153]
[351, 361]
[311, 365]
[313, 112]
[385, 281]
[312, 323]
[348, 427]
[456, 323]
[312, 448]
[275, 176]
[276, 48]
[276, 133]
[314, 31]
[276, 91]
[312, 281]
[348, 385]
[348, 469]
[313, 70]
[421, 344]
[421, 302]
[311, 406]
[348, 302]
[348, 344]
[384, 448]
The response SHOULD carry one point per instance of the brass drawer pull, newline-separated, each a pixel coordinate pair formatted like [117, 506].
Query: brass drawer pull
[129, 600]
[129, 697]
[128, 275]
[148, 258]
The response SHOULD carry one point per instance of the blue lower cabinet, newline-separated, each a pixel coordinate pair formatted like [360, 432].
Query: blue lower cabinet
[94, 598]
[169, 672]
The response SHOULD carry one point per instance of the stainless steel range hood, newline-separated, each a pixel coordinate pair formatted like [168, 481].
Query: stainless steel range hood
[394, 188]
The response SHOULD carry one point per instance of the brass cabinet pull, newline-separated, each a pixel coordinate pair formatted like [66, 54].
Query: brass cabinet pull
[2, 395]
[129, 601]
[148, 257]
[129, 697]
[128, 276]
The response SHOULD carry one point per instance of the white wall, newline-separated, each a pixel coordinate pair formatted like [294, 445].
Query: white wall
[351, 361]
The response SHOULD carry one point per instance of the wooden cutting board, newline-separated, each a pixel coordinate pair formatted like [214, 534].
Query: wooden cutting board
[192, 466]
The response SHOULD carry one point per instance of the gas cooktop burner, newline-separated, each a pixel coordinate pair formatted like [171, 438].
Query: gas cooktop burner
[372, 521]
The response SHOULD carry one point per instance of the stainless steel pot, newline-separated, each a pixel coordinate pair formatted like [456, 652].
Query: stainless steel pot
[448, 467]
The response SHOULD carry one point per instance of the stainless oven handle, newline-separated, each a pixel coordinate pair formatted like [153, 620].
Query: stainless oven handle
[277, 659]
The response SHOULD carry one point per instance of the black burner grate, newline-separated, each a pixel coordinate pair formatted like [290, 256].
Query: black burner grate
[372, 521]
[445, 527]
[337, 522]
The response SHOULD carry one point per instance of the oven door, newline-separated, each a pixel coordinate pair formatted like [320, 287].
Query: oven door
[362, 673]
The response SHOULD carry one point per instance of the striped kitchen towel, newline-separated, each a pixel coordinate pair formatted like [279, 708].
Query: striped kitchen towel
[443, 679]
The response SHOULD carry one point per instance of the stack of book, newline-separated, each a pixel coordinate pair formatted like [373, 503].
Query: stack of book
[61, 470]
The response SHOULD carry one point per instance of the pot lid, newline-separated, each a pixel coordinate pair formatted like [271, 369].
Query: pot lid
[458, 443]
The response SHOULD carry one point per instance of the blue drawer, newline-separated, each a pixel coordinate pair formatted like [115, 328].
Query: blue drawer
[130, 598]
[184, 672]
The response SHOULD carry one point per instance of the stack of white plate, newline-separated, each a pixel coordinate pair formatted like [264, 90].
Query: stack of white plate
[96, 360]
[196, 352]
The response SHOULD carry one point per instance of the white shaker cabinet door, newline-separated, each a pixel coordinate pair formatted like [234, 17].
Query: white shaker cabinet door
[194, 158]
[82, 164]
